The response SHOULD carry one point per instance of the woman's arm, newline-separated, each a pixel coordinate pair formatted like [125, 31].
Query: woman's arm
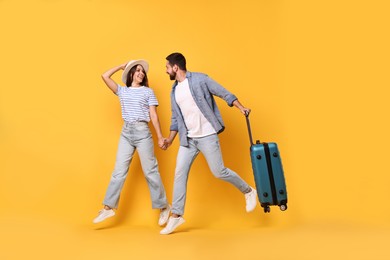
[156, 125]
[106, 76]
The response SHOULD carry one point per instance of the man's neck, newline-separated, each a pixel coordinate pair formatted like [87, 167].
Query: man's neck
[181, 75]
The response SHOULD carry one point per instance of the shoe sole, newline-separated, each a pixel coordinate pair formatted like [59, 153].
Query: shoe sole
[98, 221]
[173, 229]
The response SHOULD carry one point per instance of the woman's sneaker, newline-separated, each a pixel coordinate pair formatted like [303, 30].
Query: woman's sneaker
[164, 215]
[103, 214]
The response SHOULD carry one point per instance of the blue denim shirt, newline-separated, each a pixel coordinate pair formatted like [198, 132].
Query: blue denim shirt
[203, 90]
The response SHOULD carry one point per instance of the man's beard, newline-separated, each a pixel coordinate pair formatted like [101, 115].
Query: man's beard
[172, 76]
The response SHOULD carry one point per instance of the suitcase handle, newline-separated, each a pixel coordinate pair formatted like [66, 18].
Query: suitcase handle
[249, 127]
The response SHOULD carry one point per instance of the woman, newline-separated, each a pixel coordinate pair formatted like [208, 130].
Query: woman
[138, 104]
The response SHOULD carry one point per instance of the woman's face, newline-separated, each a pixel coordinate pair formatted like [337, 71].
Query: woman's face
[138, 76]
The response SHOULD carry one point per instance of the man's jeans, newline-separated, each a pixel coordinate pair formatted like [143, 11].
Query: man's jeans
[210, 148]
[136, 136]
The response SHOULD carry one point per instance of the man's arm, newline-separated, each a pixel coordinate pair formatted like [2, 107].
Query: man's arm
[170, 139]
[216, 89]
[243, 109]
[173, 128]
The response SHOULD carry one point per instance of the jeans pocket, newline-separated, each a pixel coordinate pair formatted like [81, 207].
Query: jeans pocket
[142, 132]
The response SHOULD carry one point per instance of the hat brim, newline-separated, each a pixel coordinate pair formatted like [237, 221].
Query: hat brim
[131, 64]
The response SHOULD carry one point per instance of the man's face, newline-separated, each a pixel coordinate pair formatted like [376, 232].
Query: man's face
[171, 71]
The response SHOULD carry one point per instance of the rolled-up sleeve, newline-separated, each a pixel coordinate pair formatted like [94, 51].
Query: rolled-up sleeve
[217, 90]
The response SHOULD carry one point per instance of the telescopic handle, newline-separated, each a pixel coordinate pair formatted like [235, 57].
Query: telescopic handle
[249, 127]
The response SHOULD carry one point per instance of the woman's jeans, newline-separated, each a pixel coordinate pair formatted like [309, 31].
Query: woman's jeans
[136, 136]
[210, 148]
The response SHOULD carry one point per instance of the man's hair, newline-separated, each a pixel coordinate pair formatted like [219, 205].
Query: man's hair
[178, 59]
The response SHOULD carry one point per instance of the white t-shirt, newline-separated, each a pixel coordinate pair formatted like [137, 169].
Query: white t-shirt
[197, 125]
[135, 102]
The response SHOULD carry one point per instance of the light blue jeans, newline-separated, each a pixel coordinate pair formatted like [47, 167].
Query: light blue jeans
[210, 148]
[136, 136]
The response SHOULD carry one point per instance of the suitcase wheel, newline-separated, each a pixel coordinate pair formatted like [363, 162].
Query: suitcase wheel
[267, 209]
[283, 207]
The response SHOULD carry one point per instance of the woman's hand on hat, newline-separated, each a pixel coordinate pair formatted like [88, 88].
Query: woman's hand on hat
[123, 66]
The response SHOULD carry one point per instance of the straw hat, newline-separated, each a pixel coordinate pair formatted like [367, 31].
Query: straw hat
[131, 64]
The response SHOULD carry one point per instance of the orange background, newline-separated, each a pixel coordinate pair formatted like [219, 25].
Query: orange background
[314, 74]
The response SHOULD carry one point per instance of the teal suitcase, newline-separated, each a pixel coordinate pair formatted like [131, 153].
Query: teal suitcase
[268, 173]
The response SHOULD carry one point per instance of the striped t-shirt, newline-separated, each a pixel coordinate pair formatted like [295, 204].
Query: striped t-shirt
[135, 102]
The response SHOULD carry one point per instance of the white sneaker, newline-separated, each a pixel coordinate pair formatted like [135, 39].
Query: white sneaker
[103, 214]
[251, 200]
[164, 215]
[173, 223]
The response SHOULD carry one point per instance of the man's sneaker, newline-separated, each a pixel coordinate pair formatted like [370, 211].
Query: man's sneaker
[173, 223]
[251, 200]
[164, 215]
[103, 214]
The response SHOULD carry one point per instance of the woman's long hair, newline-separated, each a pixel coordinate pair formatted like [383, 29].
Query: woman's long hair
[130, 75]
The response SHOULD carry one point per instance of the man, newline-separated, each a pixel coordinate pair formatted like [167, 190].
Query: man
[195, 116]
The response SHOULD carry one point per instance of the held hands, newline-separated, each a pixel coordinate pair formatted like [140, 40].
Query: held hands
[163, 143]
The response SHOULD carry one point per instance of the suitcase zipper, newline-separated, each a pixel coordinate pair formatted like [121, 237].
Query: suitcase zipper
[270, 173]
